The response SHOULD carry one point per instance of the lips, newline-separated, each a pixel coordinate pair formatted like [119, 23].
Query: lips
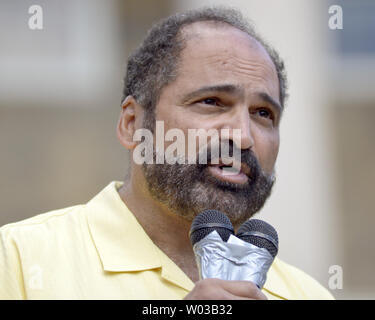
[234, 172]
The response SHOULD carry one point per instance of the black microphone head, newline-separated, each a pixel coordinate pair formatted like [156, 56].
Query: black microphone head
[261, 234]
[206, 222]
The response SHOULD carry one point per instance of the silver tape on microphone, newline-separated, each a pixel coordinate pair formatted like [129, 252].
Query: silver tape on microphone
[232, 260]
[248, 258]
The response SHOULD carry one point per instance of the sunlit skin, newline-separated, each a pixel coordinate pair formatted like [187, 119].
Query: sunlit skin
[225, 79]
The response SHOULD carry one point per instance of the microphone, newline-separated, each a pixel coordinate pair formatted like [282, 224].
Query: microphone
[209, 231]
[261, 234]
[220, 254]
[208, 221]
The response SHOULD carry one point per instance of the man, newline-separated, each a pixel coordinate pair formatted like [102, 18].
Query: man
[205, 69]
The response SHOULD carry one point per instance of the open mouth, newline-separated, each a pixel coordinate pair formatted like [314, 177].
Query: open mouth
[234, 172]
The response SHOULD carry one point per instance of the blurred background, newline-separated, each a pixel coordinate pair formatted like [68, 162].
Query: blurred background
[60, 92]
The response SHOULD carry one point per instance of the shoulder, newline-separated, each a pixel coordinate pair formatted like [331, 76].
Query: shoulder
[27, 245]
[62, 228]
[41, 226]
[291, 282]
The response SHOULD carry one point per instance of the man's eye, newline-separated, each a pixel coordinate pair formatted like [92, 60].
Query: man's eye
[264, 113]
[210, 101]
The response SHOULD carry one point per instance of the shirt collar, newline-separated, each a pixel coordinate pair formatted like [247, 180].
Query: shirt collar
[122, 243]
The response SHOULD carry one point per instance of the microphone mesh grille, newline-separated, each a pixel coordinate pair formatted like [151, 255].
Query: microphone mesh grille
[198, 229]
[261, 227]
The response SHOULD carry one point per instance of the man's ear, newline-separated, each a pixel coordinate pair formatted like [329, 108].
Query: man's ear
[126, 125]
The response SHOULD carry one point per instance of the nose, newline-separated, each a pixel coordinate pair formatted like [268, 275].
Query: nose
[239, 125]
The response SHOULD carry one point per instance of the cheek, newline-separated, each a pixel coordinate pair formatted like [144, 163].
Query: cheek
[175, 127]
[266, 148]
[180, 119]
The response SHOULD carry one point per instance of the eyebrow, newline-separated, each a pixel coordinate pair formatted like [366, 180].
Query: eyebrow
[226, 88]
[267, 98]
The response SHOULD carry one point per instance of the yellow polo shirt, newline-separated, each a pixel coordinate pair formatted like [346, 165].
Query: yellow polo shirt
[100, 251]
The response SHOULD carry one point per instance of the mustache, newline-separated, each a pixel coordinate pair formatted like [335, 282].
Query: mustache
[244, 156]
[211, 153]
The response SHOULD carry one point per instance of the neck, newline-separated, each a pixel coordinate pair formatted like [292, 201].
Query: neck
[167, 230]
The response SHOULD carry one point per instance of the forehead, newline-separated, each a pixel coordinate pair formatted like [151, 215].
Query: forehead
[216, 53]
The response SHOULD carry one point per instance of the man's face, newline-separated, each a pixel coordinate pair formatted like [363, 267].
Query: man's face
[226, 80]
